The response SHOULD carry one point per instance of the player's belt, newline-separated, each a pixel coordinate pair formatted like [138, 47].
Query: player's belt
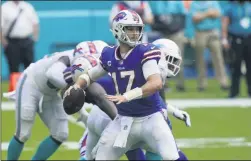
[50, 85]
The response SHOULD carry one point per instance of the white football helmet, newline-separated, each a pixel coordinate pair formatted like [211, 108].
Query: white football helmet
[172, 54]
[127, 18]
[91, 47]
[81, 64]
[100, 45]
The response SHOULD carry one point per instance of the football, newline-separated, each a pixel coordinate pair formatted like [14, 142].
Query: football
[73, 100]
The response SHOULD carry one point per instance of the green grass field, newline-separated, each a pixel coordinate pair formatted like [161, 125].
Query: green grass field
[216, 133]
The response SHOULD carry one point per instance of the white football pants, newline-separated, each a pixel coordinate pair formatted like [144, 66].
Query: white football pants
[28, 101]
[152, 131]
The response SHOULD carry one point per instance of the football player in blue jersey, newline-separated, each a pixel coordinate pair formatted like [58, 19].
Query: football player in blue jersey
[134, 69]
[98, 120]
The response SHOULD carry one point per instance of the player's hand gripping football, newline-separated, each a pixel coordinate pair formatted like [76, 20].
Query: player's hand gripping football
[184, 116]
[73, 99]
[117, 98]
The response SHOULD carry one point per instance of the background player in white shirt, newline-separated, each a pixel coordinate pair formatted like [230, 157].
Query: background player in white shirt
[37, 91]
[19, 32]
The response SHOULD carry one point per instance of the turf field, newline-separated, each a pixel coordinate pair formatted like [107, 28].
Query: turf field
[216, 133]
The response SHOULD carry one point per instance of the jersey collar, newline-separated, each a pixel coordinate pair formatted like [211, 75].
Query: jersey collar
[117, 51]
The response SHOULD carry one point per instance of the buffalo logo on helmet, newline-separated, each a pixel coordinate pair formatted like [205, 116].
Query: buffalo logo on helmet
[77, 67]
[135, 16]
[119, 16]
[91, 59]
[77, 51]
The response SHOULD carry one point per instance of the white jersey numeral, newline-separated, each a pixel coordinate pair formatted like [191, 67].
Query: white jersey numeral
[123, 74]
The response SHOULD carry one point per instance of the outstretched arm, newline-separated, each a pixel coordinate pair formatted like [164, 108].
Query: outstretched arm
[96, 94]
[92, 75]
[153, 84]
[179, 114]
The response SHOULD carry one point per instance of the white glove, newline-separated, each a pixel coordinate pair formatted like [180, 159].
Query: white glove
[184, 116]
[179, 114]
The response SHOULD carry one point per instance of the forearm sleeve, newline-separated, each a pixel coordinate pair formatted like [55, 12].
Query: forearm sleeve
[55, 75]
[96, 94]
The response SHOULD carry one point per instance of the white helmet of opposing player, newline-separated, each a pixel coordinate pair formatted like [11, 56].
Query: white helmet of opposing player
[172, 54]
[100, 45]
[81, 64]
[127, 27]
[91, 47]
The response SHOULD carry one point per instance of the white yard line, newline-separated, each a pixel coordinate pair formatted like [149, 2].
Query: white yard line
[211, 103]
[5, 145]
[199, 143]
[9, 106]
[181, 103]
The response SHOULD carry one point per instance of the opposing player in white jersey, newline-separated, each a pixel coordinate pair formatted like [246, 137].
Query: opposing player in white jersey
[170, 66]
[37, 92]
[97, 120]
[134, 69]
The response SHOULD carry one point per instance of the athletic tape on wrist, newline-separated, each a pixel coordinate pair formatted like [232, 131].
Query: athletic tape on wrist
[86, 78]
[135, 93]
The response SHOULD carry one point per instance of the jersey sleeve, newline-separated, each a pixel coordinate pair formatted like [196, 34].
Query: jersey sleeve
[33, 14]
[150, 52]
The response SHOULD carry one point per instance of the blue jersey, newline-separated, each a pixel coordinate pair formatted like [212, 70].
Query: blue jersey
[127, 74]
[107, 83]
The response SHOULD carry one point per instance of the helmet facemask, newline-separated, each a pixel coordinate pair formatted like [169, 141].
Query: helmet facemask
[128, 36]
[127, 27]
[173, 65]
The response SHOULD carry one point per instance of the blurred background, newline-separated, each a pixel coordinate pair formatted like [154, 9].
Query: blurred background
[213, 86]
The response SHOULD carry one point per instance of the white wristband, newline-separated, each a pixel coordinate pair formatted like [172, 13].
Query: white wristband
[86, 78]
[133, 94]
